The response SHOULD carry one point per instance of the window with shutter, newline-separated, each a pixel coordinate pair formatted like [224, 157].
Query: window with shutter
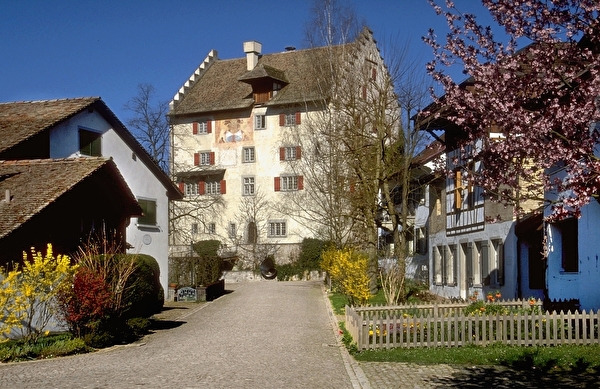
[289, 183]
[202, 127]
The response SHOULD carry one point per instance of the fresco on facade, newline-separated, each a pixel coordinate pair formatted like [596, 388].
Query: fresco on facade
[233, 130]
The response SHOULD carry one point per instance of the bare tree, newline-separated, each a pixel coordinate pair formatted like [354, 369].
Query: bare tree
[253, 213]
[149, 124]
[360, 143]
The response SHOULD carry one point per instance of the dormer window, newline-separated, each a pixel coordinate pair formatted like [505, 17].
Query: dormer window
[266, 81]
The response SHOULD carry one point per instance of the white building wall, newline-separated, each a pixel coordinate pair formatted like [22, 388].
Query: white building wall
[228, 156]
[64, 143]
[582, 285]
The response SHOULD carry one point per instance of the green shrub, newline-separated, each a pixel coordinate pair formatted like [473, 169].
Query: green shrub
[208, 266]
[145, 294]
[310, 253]
[309, 259]
[138, 327]
[287, 271]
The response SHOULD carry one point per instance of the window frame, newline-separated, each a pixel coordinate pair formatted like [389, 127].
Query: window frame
[289, 183]
[92, 140]
[277, 229]
[204, 158]
[212, 187]
[248, 186]
[232, 230]
[211, 228]
[260, 122]
[191, 189]
[246, 157]
[289, 119]
[151, 219]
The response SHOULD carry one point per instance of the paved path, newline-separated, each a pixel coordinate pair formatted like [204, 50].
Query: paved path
[262, 335]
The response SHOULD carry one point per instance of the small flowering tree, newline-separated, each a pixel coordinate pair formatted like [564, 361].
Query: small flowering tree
[541, 101]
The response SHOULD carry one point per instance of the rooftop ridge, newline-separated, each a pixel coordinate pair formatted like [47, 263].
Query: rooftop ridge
[50, 100]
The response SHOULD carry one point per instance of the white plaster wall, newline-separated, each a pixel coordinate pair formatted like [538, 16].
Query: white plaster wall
[228, 156]
[64, 143]
[585, 284]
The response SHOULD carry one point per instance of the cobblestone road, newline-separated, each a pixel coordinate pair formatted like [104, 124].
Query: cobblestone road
[262, 335]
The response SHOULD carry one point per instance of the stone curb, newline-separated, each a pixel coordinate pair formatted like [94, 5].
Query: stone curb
[357, 376]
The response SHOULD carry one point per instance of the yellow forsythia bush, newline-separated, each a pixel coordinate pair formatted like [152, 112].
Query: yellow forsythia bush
[11, 316]
[347, 269]
[42, 278]
[28, 295]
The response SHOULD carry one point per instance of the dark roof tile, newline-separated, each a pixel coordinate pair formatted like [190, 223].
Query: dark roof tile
[35, 184]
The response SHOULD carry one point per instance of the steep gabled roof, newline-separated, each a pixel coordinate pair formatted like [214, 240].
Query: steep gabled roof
[220, 85]
[33, 185]
[22, 120]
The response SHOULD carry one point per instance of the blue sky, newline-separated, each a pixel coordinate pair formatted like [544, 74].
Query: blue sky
[75, 48]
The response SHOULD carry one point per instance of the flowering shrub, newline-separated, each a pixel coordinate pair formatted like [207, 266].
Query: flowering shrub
[347, 269]
[86, 303]
[37, 286]
[10, 316]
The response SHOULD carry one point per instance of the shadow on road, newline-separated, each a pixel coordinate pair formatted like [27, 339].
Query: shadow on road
[498, 377]
[157, 325]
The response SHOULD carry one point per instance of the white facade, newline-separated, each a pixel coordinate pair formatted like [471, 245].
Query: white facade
[141, 179]
[573, 263]
[250, 159]
[236, 150]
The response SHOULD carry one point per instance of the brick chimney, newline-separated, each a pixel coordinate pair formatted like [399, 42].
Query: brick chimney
[252, 50]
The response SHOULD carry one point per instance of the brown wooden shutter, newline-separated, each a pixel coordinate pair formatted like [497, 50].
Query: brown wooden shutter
[209, 126]
[212, 158]
[195, 128]
[298, 152]
[196, 159]
[223, 187]
[181, 186]
[282, 153]
[300, 182]
[201, 187]
[458, 190]
[298, 118]
[282, 119]
[374, 74]
[364, 92]
[277, 184]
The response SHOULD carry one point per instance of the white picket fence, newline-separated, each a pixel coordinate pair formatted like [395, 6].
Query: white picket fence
[447, 325]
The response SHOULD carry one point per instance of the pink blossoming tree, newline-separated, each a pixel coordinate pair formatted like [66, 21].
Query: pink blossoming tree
[541, 101]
